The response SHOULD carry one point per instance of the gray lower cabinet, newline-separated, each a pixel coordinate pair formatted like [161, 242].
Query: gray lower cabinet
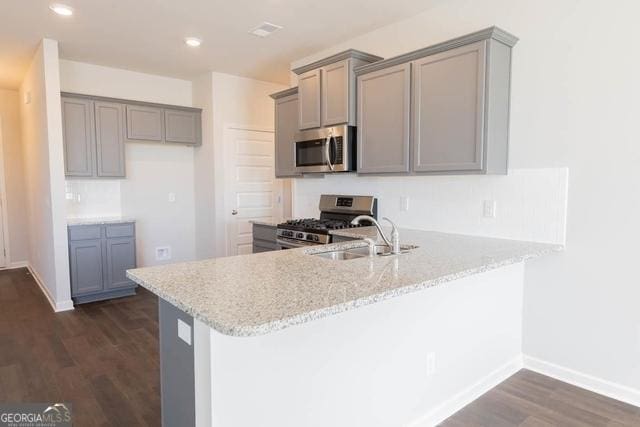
[99, 256]
[93, 137]
[384, 105]
[459, 112]
[286, 113]
[264, 238]
[78, 136]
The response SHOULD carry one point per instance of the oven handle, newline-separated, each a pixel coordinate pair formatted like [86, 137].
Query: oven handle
[284, 243]
[327, 147]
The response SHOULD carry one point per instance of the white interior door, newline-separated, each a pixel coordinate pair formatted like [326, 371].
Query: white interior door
[252, 192]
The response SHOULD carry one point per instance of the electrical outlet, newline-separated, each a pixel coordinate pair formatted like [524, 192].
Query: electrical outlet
[431, 364]
[404, 203]
[163, 253]
[184, 331]
[489, 209]
[172, 197]
[69, 196]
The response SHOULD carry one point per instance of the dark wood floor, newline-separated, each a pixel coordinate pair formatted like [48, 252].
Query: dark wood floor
[528, 399]
[102, 357]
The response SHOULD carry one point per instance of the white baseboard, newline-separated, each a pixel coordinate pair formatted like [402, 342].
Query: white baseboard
[468, 395]
[57, 306]
[19, 264]
[589, 382]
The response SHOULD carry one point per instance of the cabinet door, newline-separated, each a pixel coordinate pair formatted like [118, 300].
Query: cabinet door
[448, 110]
[85, 259]
[121, 256]
[335, 93]
[110, 139]
[77, 136]
[182, 126]
[384, 101]
[144, 123]
[286, 127]
[309, 100]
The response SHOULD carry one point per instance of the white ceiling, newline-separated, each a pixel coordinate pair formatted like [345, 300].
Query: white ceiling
[147, 35]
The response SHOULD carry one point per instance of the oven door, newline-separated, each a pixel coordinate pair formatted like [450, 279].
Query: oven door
[324, 150]
[284, 243]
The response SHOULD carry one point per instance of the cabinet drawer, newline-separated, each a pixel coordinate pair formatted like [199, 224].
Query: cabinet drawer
[84, 232]
[120, 230]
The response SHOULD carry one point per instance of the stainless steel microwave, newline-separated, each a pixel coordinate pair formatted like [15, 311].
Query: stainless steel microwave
[325, 150]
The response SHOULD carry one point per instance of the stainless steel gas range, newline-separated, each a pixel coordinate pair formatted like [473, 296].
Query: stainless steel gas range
[336, 213]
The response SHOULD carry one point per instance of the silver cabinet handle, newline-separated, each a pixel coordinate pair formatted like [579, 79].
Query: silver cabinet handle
[234, 212]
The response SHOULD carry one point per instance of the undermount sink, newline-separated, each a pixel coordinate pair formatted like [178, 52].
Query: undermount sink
[361, 252]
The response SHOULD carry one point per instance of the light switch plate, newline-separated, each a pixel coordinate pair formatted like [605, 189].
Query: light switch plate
[172, 197]
[404, 203]
[489, 209]
[184, 332]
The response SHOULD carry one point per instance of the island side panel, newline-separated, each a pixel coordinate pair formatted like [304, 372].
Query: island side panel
[373, 366]
[176, 366]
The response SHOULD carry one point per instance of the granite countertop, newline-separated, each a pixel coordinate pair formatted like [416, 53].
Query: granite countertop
[256, 294]
[99, 220]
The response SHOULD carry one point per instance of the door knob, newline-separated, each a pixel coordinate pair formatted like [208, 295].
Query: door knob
[234, 212]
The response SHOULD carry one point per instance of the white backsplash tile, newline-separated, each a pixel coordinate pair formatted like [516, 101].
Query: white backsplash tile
[91, 198]
[531, 204]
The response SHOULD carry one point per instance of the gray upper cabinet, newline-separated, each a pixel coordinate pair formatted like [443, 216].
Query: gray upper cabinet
[448, 111]
[384, 101]
[286, 113]
[309, 100]
[109, 122]
[145, 123]
[335, 93]
[327, 89]
[182, 126]
[78, 137]
[459, 109]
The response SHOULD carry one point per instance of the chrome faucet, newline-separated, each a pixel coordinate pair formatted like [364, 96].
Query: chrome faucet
[394, 244]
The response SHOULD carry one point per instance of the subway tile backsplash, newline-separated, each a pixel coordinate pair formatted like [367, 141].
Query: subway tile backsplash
[93, 198]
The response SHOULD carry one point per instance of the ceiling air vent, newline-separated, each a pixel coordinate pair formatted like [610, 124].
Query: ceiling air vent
[265, 29]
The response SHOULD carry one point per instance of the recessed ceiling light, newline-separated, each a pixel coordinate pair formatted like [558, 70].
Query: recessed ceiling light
[61, 9]
[265, 29]
[192, 41]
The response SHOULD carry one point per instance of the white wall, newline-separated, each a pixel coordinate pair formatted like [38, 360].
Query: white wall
[574, 104]
[236, 101]
[18, 250]
[153, 170]
[369, 367]
[44, 175]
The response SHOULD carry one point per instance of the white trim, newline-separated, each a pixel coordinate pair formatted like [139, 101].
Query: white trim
[3, 204]
[17, 264]
[589, 382]
[57, 306]
[450, 406]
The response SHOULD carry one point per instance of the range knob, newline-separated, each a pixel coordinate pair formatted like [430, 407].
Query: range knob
[316, 238]
[310, 237]
[300, 236]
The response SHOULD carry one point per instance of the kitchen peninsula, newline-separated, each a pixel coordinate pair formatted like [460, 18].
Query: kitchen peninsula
[290, 338]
